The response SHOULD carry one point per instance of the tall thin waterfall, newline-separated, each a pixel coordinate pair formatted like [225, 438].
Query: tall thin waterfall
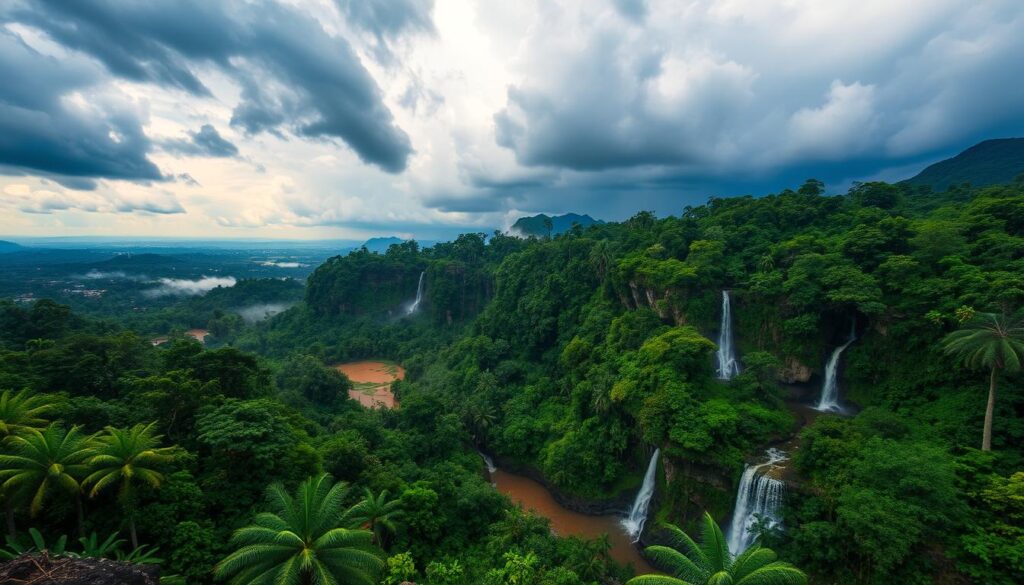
[830, 388]
[634, 523]
[491, 468]
[759, 497]
[419, 296]
[728, 366]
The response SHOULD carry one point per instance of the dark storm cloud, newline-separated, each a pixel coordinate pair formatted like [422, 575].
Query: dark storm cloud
[295, 76]
[387, 20]
[204, 142]
[57, 137]
[667, 115]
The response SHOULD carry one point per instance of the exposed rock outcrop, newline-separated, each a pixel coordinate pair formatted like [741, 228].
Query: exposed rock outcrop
[794, 372]
[43, 569]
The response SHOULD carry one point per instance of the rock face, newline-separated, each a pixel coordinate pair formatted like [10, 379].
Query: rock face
[42, 569]
[793, 372]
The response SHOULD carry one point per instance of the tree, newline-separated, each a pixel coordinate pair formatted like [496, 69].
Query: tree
[688, 563]
[993, 342]
[21, 411]
[302, 541]
[45, 461]
[377, 513]
[125, 457]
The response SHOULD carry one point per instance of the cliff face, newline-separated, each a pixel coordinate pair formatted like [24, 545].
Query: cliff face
[691, 488]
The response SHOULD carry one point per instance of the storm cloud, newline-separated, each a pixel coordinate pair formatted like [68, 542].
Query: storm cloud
[281, 115]
[718, 90]
[296, 77]
[47, 124]
[204, 142]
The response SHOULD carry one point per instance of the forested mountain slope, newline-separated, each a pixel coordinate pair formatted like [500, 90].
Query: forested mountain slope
[987, 163]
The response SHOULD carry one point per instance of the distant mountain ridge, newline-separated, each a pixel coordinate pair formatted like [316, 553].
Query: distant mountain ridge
[6, 246]
[381, 245]
[535, 225]
[990, 162]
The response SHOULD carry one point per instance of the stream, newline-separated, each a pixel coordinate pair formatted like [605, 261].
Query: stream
[533, 496]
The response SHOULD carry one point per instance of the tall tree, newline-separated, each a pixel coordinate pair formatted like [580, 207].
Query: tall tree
[710, 562]
[302, 540]
[377, 513]
[46, 461]
[124, 457]
[992, 342]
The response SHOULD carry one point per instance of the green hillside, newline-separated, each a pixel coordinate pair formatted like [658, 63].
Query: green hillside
[991, 162]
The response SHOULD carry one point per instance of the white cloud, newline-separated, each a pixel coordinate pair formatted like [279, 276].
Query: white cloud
[188, 288]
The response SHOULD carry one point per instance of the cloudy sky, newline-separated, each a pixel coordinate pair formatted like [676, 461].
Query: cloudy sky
[350, 118]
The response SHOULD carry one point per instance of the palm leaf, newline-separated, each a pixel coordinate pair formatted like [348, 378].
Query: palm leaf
[777, 573]
[714, 545]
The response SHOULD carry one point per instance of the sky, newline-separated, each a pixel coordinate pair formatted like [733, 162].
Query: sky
[425, 118]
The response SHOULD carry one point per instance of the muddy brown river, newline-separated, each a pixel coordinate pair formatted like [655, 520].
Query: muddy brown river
[533, 496]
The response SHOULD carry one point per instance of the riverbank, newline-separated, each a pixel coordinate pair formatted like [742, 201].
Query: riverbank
[532, 494]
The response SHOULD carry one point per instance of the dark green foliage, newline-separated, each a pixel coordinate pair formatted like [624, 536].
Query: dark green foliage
[709, 562]
[987, 163]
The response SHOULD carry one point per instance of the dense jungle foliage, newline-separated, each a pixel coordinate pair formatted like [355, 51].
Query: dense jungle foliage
[575, 356]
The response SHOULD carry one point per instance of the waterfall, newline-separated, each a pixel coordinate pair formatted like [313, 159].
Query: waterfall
[491, 468]
[758, 497]
[634, 523]
[419, 296]
[727, 364]
[829, 400]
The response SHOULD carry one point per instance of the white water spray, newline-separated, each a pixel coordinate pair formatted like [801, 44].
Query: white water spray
[491, 467]
[419, 296]
[758, 497]
[728, 366]
[829, 400]
[634, 523]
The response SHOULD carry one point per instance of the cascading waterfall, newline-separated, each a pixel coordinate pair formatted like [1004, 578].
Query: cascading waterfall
[829, 400]
[419, 296]
[759, 497]
[634, 523]
[728, 366]
[491, 468]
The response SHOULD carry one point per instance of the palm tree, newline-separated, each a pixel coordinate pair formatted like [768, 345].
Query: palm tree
[47, 461]
[377, 513]
[992, 342]
[710, 563]
[125, 457]
[302, 541]
[18, 412]
[21, 411]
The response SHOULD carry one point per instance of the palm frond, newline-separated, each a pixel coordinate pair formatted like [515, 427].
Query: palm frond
[777, 573]
[714, 545]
